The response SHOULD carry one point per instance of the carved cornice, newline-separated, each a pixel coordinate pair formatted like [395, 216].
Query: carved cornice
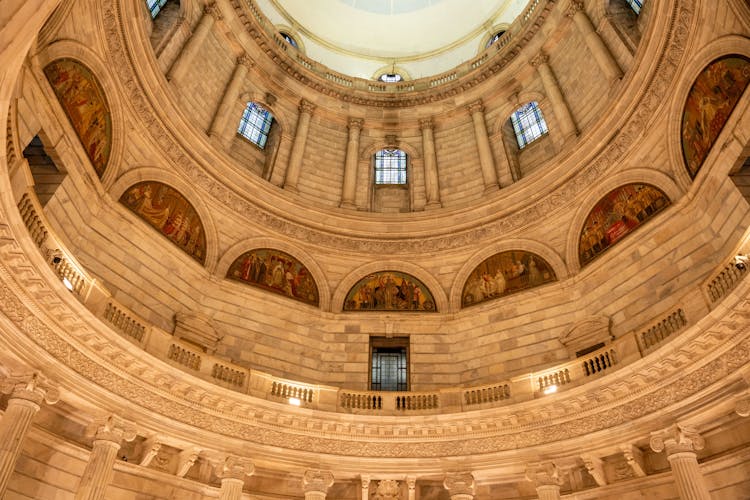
[507, 224]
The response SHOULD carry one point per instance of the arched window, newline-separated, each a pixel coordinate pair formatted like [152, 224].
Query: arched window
[390, 77]
[155, 6]
[528, 124]
[390, 166]
[289, 39]
[636, 5]
[255, 124]
[495, 37]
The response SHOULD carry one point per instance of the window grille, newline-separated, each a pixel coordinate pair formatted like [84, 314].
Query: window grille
[255, 124]
[155, 6]
[636, 5]
[390, 166]
[528, 124]
[389, 368]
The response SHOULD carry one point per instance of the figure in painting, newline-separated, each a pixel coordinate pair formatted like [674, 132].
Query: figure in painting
[505, 273]
[389, 291]
[169, 212]
[277, 272]
[710, 101]
[617, 214]
[82, 98]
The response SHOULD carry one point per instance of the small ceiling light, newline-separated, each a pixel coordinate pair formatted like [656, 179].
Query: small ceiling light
[67, 284]
[550, 389]
[295, 402]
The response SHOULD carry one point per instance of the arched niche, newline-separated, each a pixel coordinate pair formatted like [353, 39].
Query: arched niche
[84, 102]
[389, 291]
[505, 273]
[618, 213]
[710, 101]
[277, 272]
[169, 212]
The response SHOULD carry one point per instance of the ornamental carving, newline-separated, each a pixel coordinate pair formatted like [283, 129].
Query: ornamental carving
[389, 291]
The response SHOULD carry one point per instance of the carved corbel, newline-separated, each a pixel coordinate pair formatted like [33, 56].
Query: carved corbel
[634, 457]
[595, 467]
[185, 460]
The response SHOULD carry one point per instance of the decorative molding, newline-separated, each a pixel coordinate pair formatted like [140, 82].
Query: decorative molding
[677, 438]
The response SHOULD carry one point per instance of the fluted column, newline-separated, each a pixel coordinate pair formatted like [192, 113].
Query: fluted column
[232, 473]
[27, 392]
[349, 190]
[306, 109]
[486, 161]
[680, 443]
[559, 106]
[316, 483]
[431, 186]
[220, 126]
[109, 432]
[179, 69]
[411, 484]
[459, 486]
[594, 42]
[546, 479]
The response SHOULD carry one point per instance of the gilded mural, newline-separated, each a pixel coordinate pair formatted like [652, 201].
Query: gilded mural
[709, 104]
[277, 272]
[83, 101]
[170, 213]
[505, 273]
[617, 214]
[389, 291]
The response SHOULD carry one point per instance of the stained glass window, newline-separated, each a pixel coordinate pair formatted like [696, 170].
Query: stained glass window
[636, 5]
[528, 124]
[255, 124]
[155, 6]
[390, 166]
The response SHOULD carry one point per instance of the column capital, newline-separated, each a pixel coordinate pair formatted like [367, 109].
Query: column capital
[317, 481]
[543, 474]
[411, 482]
[245, 60]
[475, 107]
[234, 467]
[539, 59]
[742, 407]
[112, 428]
[426, 124]
[213, 10]
[306, 107]
[365, 479]
[676, 439]
[33, 387]
[574, 7]
[355, 124]
[461, 483]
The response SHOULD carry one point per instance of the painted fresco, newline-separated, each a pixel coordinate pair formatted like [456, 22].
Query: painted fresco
[389, 291]
[617, 214]
[83, 100]
[709, 104]
[505, 273]
[170, 213]
[277, 272]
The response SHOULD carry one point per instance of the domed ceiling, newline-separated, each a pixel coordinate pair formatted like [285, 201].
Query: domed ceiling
[419, 37]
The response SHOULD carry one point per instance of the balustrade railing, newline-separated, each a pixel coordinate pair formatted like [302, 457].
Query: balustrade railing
[489, 394]
[124, 322]
[231, 376]
[284, 390]
[361, 401]
[658, 332]
[32, 220]
[725, 281]
[599, 362]
[184, 357]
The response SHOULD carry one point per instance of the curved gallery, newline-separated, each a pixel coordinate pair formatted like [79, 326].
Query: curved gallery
[612, 303]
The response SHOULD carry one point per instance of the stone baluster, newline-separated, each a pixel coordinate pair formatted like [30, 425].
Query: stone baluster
[595, 468]
[552, 89]
[634, 458]
[431, 185]
[349, 190]
[306, 109]
[316, 483]
[223, 127]
[109, 433]
[546, 479]
[486, 160]
[680, 443]
[179, 69]
[411, 484]
[601, 53]
[232, 473]
[460, 486]
[27, 392]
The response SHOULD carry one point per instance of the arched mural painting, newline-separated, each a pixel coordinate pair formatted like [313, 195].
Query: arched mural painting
[389, 291]
[710, 101]
[505, 273]
[277, 272]
[170, 213]
[617, 214]
[82, 98]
